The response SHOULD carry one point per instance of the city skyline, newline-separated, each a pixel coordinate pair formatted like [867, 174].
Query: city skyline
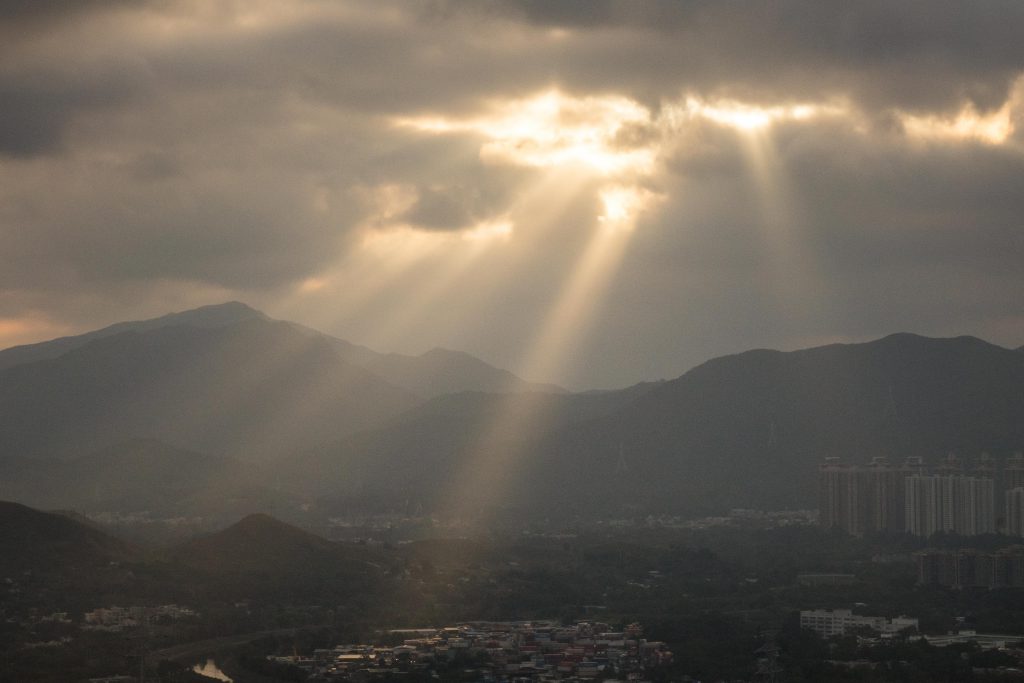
[985, 496]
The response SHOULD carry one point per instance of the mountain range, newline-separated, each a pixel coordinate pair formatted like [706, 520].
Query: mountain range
[746, 430]
[224, 380]
[213, 410]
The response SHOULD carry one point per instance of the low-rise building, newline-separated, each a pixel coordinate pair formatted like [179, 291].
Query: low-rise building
[839, 622]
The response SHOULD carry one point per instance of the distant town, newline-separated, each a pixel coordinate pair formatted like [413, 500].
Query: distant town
[495, 651]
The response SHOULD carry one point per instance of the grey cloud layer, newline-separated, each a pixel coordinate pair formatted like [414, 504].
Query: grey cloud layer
[145, 151]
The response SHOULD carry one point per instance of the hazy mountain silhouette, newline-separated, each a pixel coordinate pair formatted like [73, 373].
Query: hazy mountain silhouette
[742, 430]
[141, 476]
[219, 315]
[435, 372]
[422, 451]
[750, 429]
[260, 543]
[31, 540]
[252, 389]
[738, 431]
[441, 371]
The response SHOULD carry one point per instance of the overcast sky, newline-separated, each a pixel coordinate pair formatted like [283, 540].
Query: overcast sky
[591, 193]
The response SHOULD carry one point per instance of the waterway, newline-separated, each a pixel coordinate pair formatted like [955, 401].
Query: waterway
[210, 670]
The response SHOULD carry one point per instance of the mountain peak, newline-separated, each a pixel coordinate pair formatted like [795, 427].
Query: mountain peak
[914, 337]
[227, 311]
[263, 528]
[904, 340]
[260, 522]
[212, 316]
[259, 542]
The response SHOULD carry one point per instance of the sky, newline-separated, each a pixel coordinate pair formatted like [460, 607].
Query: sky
[592, 193]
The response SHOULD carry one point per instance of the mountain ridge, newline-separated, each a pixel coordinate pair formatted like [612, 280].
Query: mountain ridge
[435, 372]
[740, 430]
[250, 390]
[214, 315]
[432, 373]
[744, 430]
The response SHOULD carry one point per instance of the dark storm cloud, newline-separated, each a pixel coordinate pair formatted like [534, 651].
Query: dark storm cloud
[35, 14]
[907, 54]
[36, 108]
[30, 125]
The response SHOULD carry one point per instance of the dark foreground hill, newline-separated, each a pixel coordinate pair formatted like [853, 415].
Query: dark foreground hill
[739, 431]
[36, 541]
[264, 545]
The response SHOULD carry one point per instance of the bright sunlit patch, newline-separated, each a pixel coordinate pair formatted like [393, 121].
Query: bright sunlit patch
[621, 204]
[490, 230]
[993, 129]
[553, 129]
[312, 284]
[751, 117]
[402, 243]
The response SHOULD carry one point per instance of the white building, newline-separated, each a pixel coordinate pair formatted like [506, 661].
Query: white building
[839, 622]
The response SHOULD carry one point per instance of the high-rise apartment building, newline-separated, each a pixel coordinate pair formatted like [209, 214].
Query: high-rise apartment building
[836, 490]
[864, 499]
[1015, 511]
[953, 503]
[922, 505]
[1014, 472]
[966, 568]
[879, 497]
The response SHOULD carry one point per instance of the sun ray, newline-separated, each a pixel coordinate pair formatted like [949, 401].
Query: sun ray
[502, 447]
[794, 283]
[600, 148]
[437, 278]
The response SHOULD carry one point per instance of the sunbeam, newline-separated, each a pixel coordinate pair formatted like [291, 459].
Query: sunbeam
[503, 446]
